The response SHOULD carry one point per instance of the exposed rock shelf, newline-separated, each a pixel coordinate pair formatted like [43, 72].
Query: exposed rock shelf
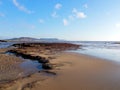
[42, 52]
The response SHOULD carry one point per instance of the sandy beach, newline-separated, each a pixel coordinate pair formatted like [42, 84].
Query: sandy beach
[74, 72]
[65, 70]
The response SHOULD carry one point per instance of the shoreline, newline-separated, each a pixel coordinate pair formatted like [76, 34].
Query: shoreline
[72, 71]
[97, 57]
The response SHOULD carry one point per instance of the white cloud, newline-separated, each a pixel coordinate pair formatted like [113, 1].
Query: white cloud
[78, 14]
[2, 15]
[41, 21]
[117, 25]
[85, 5]
[73, 16]
[58, 6]
[65, 22]
[20, 7]
[54, 15]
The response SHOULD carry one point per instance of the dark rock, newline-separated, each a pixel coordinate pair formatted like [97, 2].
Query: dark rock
[47, 66]
[3, 41]
[48, 46]
[28, 56]
[43, 60]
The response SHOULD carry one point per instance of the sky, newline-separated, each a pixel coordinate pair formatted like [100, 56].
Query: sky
[94, 20]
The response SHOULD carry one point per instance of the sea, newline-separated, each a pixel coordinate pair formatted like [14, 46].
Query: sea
[5, 44]
[101, 49]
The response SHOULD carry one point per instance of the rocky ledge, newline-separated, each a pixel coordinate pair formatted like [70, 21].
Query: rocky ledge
[42, 52]
[3, 41]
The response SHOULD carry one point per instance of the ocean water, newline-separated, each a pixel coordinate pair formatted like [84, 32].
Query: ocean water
[104, 50]
[5, 44]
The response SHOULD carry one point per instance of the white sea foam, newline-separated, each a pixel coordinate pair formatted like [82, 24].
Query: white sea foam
[105, 50]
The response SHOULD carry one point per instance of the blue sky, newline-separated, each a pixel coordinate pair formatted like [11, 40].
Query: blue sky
[64, 19]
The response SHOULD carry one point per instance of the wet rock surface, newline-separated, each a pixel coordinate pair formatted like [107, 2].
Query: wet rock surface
[42, 52]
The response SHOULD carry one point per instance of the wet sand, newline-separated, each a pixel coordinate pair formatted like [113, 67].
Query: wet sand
[74, 72]
[81, 72]
[9, 67]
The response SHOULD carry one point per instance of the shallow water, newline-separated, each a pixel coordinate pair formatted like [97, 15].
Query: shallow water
[28, 66]
[105, 50]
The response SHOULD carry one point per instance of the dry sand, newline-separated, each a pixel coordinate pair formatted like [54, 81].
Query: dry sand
[74, 72]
